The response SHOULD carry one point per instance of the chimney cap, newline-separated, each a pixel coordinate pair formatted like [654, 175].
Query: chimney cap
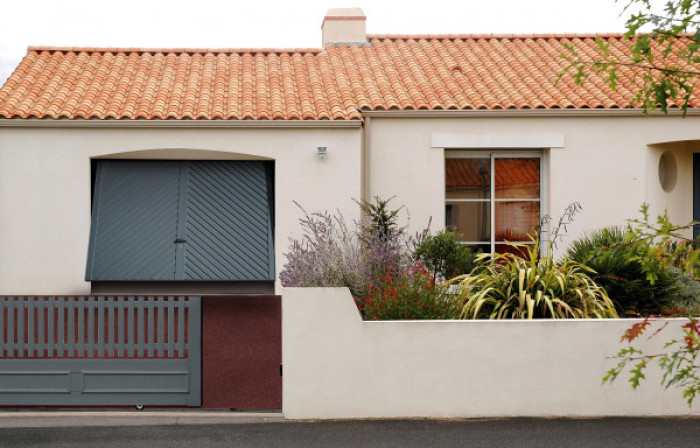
[344, 26]
[344, 14]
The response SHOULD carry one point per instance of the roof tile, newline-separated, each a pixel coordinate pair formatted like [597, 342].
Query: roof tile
[394, 72]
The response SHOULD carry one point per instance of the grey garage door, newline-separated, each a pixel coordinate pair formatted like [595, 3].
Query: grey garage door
[182, 221]
[100, 350]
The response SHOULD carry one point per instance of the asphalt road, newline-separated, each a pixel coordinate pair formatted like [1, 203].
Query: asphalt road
[522, 432]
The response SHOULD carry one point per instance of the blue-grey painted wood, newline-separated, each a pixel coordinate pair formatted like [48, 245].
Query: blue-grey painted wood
[229, 222]
[194, 351]
[50, 340]
[171, 326]
[180, 328]
[188, 220]
[90, 360]
[696, 195]
[134, 221]
[97, 382]
[20, 344]
[141, 340]
[30, 329]
[2, 327]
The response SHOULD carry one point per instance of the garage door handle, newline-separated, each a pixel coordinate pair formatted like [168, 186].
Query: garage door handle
[180, 241]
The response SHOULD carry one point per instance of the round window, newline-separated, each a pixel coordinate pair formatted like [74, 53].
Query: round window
[668, 171]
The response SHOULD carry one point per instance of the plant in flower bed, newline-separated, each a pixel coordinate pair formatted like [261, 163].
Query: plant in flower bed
[444, 255]
[331, 253]
[510, 286]
[636, 283]
[408, 294]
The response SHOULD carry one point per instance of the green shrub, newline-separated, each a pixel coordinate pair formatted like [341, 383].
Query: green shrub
[382, 219]
[444, 256]
[510, 286]
[687, 296]
[636, 283]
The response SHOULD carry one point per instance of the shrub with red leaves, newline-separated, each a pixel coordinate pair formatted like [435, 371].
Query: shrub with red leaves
[407, 294]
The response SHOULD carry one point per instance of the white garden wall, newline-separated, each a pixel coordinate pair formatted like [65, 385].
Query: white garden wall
[337, 366]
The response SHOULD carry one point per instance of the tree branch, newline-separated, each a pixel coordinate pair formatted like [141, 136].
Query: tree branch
[642, 66]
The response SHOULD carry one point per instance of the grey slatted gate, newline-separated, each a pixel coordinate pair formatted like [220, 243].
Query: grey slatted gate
[100, 350]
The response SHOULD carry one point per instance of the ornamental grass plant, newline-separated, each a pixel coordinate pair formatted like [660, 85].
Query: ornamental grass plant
[529, 286]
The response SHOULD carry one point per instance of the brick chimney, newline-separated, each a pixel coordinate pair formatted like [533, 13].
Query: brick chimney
[344, 26]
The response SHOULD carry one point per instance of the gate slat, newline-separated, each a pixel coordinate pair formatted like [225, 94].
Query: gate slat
[151, 325]
[141, 341]
[131, 312]
[11, 328]
[61, 335]
[171, 324]
[50, 335]
[40, 326]
[109, 336]
[20, 327]
[100, 327]
[181, 327]
[121, 342]
[30, 328]
[90, 336]
[70, 331]
[83, 344]
[160, 306]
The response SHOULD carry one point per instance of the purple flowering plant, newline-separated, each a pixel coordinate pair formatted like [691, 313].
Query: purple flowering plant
[370, 257]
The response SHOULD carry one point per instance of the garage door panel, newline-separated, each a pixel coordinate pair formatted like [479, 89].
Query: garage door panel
[229, 223]
[182, 220]
[134, 221]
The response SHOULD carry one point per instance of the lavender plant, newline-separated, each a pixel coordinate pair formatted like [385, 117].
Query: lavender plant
[331, 253]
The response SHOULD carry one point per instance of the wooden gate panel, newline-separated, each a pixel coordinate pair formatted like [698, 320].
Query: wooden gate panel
[100, 350]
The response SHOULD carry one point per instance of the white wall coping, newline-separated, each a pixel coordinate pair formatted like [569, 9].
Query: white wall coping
[500, 140]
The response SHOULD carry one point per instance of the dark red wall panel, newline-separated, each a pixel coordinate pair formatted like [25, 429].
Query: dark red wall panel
[241, 352]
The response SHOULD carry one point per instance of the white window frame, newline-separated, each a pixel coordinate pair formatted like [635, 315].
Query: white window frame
[504, 154]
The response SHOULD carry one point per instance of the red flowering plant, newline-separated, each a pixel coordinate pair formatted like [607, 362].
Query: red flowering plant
[407, 294]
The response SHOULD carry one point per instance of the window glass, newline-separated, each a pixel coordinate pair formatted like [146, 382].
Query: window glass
[490, 206]
[471, 219]
[517, 177]
[516, 220]
[468, 178]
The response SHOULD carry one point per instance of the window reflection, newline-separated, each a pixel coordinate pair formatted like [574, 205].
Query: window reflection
[515, 182]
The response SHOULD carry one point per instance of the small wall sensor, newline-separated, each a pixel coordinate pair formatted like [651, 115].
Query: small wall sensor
[322, 151]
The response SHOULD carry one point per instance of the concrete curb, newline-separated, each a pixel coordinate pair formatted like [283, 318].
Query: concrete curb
[132, 418]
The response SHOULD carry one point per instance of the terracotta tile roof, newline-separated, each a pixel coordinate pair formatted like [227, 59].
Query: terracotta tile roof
[449, 72]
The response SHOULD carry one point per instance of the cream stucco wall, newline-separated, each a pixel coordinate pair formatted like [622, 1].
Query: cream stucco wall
[608, 163]
[337, 366]
[45, 185]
